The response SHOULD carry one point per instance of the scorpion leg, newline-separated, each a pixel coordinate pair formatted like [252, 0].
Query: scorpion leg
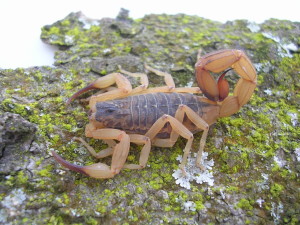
[177, 127]
[170, 85]
[143, 80]
[101, 170]
[167, 77]
[103, 153]
[169, 142]
[123, 84]
[135, 138]
[140, 139]
[198, 121]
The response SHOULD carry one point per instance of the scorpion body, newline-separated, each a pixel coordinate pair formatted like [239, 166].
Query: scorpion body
[136, 114]
[158, 116]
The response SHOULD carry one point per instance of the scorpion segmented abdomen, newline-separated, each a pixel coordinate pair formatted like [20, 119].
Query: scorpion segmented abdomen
[137, 113]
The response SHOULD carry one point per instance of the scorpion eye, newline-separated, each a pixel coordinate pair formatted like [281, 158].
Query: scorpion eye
[109, 110]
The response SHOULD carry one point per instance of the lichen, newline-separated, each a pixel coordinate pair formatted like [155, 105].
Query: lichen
[193, 173]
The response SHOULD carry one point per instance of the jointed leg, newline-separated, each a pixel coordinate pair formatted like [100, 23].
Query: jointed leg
[118, 151]
[143, 80]
[167, 77]
[170, 85]
[134, 138]
[178, 128]
[196, 119]
[124, 87]
[119, 155]
[103, 153]
[140, 139]
[200, 123]
[123, 84]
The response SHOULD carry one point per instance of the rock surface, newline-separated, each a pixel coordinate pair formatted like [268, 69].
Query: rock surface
[255, 153]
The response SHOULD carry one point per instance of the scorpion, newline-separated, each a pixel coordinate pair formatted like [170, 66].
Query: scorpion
[158, 116]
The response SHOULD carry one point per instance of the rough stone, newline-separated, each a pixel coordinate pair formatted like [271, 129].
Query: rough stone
[255, 152]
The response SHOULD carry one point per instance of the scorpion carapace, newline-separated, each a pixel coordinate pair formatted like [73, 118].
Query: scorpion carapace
[158, 116]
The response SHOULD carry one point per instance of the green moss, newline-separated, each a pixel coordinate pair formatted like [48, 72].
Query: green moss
[199, 205]
[54, 30]
[75, 32]
[132, 216]
[45, 172]
[66, 23]
[22, 178]
[101, 208]
[103, 72]
[56, 220]
[91, 221]
[157, 183]
[167, 208]
[25, 220]
[276, 189]
[11, 106]
[139, 190]
[245, 204]
[66, 199]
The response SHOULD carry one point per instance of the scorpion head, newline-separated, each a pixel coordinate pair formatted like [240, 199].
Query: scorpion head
[109, 112]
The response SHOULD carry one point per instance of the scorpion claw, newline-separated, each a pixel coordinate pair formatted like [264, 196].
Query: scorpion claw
[81, 91]
[97, 170]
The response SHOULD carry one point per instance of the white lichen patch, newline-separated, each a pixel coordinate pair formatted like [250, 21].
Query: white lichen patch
[285, 49]
[254, 27]
[189, 206]
[268, 91]
[276, 211]
[194, 173]
[15, 199]
[297, 152]
[69, 39]
[88, 22]
[106, 51]
[279, 161]
[260, 202]
[12, 205]
[290, 46]
[294, 118]
[264, 183]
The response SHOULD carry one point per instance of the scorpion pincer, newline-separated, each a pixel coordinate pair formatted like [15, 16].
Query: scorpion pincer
[158, 116]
